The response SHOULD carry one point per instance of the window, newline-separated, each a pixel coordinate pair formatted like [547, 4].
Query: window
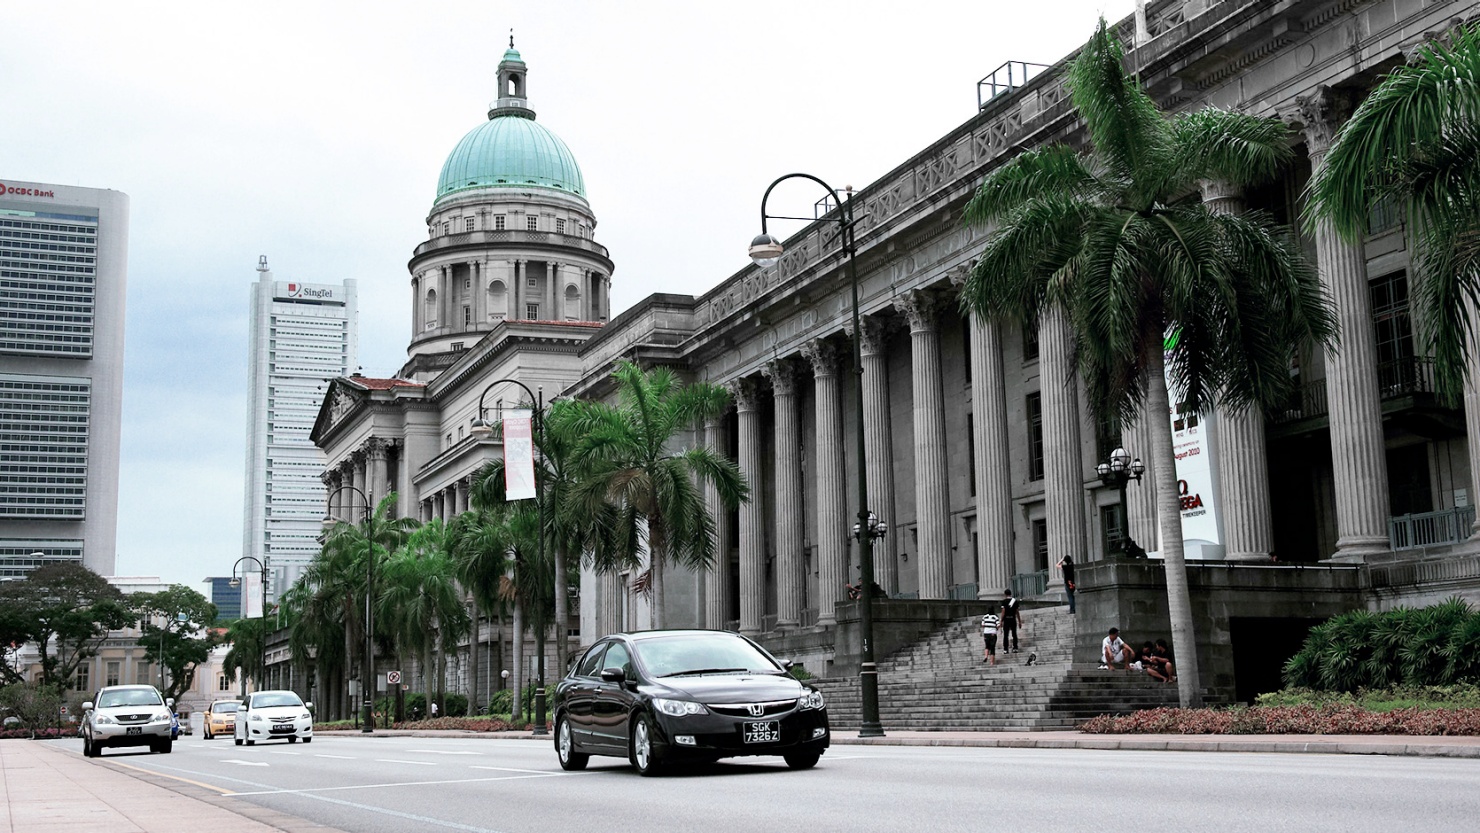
[531, 282]
[80, 682]
[469, 224]
[446, 228]
[467, 316]
[560, 227]
[498, 222]
[468, 282]
[1030, 343]
[112, 676]
[1107, 435]
[449, 439]
[1035, 436]
[1397, 372]
[1040, 544]
[1112, 537]
[223, 682]
[1384, 215]
[457, 345]
[532, 223]
[588, 664]
[616, 657]
[532, 312]
[144, 673]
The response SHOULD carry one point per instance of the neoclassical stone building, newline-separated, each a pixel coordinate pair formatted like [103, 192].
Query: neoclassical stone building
[981, 450]
[980, 447]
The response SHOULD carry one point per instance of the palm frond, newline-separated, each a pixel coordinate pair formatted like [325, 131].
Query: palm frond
[1053, 171]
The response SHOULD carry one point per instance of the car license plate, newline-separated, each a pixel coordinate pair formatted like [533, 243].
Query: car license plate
[762, 732]
[133, 730]
[282, 730]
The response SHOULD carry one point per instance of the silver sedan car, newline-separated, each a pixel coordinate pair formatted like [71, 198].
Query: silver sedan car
[127, 715]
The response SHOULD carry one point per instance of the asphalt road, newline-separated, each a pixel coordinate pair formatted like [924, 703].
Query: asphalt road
[374, 784]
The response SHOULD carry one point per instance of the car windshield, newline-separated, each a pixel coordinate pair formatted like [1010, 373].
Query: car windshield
[225, 708]
[129, 697]
[702, 653]
[283, 698]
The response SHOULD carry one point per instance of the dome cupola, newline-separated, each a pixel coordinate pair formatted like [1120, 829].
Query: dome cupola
[511, 150]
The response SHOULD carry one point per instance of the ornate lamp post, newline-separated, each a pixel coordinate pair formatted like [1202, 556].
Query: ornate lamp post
[233, 584]
[367, 665]
[483, 428]
[766, 250]
[1116, 472]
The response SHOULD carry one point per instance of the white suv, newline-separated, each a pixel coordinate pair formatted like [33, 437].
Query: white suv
[126, 715]
[269, 715]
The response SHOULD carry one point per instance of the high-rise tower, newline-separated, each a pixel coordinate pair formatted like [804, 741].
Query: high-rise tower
[302, 335]
[64, 267]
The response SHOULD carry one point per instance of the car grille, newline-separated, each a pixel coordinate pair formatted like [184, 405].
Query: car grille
[746, 710]
[133, 718]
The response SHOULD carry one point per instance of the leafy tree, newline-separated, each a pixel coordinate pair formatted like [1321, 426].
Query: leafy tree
[1429, 646]
[1416, 141]
[313, 611]
[419, 602]
[1109, 239]
[36, 705]
[627, 461]
[178, 622]
[66, 610]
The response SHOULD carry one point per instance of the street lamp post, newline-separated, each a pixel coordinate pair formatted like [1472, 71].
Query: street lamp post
[233, 584]
[482, 427]
[766, 250]
[367, 665]
[1116, 472]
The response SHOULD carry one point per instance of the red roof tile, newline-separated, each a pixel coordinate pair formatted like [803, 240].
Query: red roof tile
[384, 384]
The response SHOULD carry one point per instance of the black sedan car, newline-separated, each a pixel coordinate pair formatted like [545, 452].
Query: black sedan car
[664, 697]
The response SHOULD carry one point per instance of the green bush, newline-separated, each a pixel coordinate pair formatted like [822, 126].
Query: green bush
[457, 705]
[502, 701]
[1461, 696]
[1410, 647]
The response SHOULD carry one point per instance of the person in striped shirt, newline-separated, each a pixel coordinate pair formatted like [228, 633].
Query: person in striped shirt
[990, 624]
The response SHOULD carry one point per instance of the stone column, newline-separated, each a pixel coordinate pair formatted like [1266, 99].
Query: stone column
[878, 437]
[517, 290]
[832, 480]
[611, 613]
[479, 271]
[1063, 478]
[995, 551]
[717, 578]
[752, 531]
[932, 501]
[444, 300]
[790, 583]
[416, 313]
[1243, 463]
[1358, 453]
[351, 498]
[375, 448]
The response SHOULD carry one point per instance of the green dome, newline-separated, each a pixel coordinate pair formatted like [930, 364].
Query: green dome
[510, 151]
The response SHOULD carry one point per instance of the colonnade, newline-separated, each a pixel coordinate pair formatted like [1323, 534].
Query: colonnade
[482, 290]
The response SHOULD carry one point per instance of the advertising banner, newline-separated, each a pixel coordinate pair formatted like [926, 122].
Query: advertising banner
[252, 595]
[519, 454]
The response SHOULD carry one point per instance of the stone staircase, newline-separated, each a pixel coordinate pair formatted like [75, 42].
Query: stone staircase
[940, 683]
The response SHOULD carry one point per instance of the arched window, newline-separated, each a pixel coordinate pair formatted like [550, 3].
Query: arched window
[572, 302]
[498, 301]
[430, 314]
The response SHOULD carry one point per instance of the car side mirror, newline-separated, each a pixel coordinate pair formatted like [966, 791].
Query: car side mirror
[169, 701]
[308, 705]
[613, 675]
[88, 706]
[787, 664]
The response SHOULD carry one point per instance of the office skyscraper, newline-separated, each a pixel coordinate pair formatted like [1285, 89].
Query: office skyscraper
[63, 273]
[302, 335]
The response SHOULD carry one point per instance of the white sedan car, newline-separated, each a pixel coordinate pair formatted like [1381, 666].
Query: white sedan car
[272, 715]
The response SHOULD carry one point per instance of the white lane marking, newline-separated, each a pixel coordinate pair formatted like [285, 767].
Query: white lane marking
[336, 757]
[394, 761]
[511, 769]
[244, 763]
[442, 752]
[310, 791]
[282, 752]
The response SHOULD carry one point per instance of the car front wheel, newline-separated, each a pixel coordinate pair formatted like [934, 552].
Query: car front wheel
[238, 741]
[641, 753]
[802, 760]
[208, 733]
[89, 749]
[565, 748]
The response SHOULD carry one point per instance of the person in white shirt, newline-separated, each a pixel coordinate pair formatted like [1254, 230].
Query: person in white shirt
[989, 638]
[1114, 652]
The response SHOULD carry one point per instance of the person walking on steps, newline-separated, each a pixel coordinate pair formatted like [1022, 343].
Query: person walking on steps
[989, 638]
[1012, 616]
[1067, 566]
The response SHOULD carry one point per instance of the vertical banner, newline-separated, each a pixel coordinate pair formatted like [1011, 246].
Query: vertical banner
[1195, 456]
[252, 595]
[519, 454]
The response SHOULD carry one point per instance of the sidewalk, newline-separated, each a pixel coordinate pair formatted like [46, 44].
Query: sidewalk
[50, 788]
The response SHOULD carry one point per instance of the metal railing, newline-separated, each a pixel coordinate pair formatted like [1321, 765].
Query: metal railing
[963, 592]
[1005, 79]
[1430, 529]
[1400, 377]
[1029, 584]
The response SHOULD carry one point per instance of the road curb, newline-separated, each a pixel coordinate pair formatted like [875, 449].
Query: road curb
[1387, 745]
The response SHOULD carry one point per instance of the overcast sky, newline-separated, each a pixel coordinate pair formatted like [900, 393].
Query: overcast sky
[314, 133]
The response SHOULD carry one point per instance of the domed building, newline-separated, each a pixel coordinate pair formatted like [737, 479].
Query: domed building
[507, 286]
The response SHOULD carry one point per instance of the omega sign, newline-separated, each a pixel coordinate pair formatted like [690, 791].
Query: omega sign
[305, 291]
[26, 192]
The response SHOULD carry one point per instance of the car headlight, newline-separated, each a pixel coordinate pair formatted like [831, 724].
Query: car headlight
[678, 708]
[104, 719]
[810, 700]
[306, 716]
[163, 717]
[256, 718]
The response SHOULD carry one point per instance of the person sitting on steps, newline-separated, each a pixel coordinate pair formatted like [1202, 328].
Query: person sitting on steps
[1115, 652]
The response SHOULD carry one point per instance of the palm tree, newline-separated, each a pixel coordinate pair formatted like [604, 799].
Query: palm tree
[420, 603]
[247, 637]
[1111, 239]
[480, 555]
[1416, 141]
[316, 635]
[350, 552]
[628, 463]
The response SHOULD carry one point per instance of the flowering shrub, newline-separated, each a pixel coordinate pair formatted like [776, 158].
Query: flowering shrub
[1326, 719]
[40, 734]
[467, 724]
